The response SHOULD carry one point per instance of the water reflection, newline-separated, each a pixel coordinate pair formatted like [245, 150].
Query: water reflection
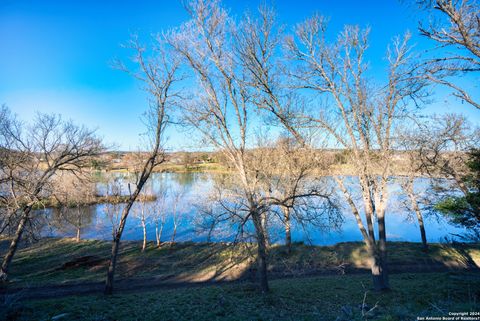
[184, 217]
[73, 220]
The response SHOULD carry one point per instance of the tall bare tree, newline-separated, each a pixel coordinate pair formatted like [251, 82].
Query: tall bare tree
[367, 117]
[357, 114]
[32, 155]
[223, 111]
[455, 28]
[158, 73]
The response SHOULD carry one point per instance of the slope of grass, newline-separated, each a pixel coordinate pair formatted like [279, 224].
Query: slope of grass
[58, 261]
[317, 298]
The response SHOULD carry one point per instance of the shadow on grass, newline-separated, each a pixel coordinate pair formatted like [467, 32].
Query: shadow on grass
[62, 266]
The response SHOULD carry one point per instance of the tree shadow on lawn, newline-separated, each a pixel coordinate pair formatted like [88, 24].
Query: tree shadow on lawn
[63, 266]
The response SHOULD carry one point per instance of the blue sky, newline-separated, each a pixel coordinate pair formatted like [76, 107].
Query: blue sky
[55, 55]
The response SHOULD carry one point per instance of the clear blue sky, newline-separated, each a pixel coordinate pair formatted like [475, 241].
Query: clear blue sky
[55, 55]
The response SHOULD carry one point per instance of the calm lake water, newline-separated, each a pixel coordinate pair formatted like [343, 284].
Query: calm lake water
[191, 188]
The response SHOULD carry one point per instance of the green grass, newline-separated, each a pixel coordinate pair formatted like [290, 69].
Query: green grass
[299, 298]
[42, 262]
[317, 298]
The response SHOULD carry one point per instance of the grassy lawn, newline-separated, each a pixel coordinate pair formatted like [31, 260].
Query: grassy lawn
[60, 261]
[321, 283]
[317, 298]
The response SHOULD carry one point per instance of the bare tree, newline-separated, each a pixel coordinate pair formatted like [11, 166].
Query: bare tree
[224, 112]
[142, 213]
[257, 47]
[187, 160]
[177, 198]
[113, 209]
[358, 115]
[296, 173]
[32, 156]
[73, 194]
[408, 186]
[450, 137]
[445, 157]
[9, 161]
[158, 74]
[410, 144]
[159, 213]
[207, 218]
[221, 110]
[454, 27]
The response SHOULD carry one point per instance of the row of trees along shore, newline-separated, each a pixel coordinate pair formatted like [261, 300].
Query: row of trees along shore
[228, 79]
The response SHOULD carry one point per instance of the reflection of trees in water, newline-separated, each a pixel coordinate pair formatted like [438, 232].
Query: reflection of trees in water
[72, 194]
[123, 182]
[115, 186]
[217, 213]
[170, 212]
[185, 180]
[34, 229]
[154, 186]
[71, 220]
[199, 223]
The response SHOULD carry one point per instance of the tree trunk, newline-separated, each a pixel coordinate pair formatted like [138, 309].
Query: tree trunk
[14, 244]
[210, 231]
[79, 224]
[265, 232]
[376, 268]
[111, 267]
[418, 212]
[158, 234]
[174, 232]
[382, 249]
[144, 226]
[420, 222]
[262, 252]
[116, 242]
[288, 233]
